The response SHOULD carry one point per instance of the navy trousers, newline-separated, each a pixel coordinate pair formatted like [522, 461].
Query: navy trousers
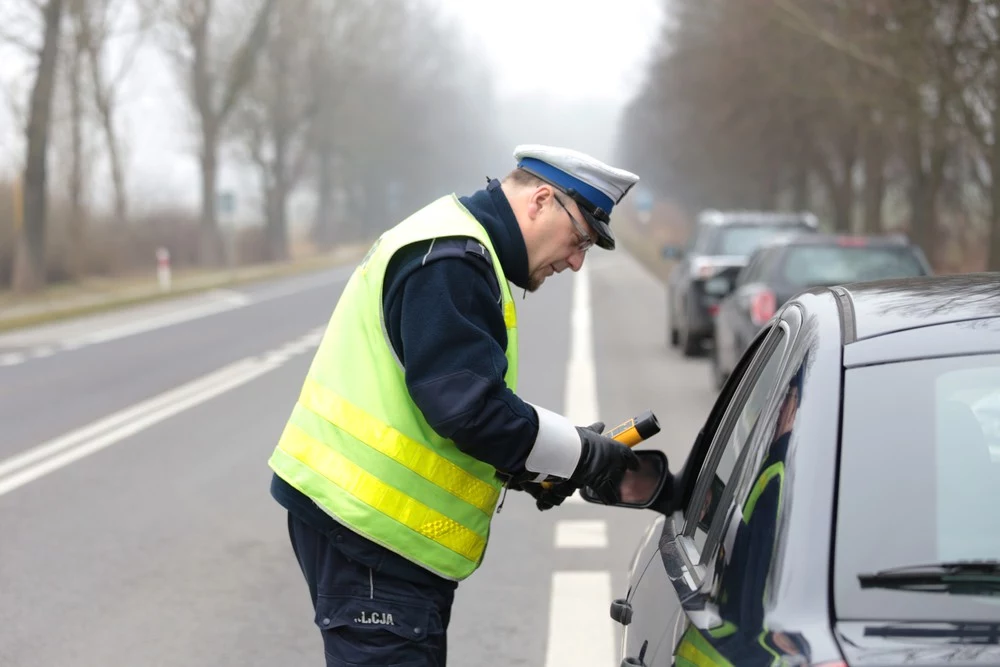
[366, 614]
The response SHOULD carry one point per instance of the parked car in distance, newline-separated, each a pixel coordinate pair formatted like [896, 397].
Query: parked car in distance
[784, 267]
[721, 242]
[839, 505]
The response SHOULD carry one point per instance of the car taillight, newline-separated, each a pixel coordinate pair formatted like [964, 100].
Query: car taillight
[762, 306]
[852, 241]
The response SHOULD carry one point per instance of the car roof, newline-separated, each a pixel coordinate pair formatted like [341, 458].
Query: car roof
[882, 307]
[713, 217]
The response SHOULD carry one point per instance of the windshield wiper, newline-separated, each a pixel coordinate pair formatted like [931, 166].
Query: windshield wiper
[966, 577]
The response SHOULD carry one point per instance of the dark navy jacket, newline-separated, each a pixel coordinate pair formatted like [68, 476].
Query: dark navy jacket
[444, 317]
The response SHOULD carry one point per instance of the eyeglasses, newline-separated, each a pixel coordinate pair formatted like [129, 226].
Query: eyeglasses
[585, 242]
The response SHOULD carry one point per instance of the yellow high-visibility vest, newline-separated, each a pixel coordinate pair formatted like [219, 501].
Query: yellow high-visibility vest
[358, 446]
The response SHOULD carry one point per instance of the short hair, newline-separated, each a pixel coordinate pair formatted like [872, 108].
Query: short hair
[523, 178]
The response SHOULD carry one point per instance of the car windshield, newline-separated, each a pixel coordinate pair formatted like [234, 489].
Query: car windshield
[919, 483]
[742, 240]
[834, 264]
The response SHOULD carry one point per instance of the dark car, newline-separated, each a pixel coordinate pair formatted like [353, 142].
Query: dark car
[779, 270]
[841, 504]
[721, 243]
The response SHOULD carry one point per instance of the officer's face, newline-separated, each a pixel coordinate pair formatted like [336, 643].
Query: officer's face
[559, 238]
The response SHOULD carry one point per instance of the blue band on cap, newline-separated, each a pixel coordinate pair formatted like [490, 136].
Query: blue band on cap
[559, 177]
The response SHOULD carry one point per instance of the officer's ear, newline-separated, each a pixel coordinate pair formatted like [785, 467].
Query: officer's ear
[541, 197]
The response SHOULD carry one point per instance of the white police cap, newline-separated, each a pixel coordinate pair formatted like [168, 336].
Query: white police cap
[595, 187]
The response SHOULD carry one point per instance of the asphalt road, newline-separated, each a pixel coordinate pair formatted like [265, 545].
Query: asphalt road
[136, 526]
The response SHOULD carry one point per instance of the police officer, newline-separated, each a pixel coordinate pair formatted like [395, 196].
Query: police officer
[408, 426]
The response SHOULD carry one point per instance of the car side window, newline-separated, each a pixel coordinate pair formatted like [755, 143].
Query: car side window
[732, 437]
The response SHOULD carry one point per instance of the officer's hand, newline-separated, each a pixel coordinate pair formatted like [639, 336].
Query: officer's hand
[602, 463]
[546, 499]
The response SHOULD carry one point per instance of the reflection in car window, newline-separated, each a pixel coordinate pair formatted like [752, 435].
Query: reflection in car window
[920, 439]
[737, 433]
[834, 265]
[742, 563]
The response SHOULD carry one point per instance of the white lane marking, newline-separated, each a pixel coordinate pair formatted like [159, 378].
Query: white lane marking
[342, 273]
[226, 300]
[50, 456]
[11, 359]
[580, 403]
[230, 301]
[581, 380]
[580, 630]
[581, 534]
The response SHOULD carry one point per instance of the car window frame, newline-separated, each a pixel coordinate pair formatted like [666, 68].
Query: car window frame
[794, 354]
[774, 340]
[723, 515]
[699, 450]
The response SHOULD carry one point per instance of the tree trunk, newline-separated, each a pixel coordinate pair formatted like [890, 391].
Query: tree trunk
[117, 171]
[993, 252]
[76, 217]
[210, 248]
[323, 235]
[874, 182]
[800, 188]
[29, 264]
[104, 100]
[281, 129]
[277, 223]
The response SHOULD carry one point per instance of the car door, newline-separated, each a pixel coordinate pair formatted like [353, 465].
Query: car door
[690, 542]
[649, 639]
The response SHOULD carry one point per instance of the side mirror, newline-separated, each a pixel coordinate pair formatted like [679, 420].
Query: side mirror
[672, 252]
[638, 488]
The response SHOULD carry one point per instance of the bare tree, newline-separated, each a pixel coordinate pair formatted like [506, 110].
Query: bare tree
[214, 84]
[863, 97]
[273, 118]
[29, 263]
[97, 23]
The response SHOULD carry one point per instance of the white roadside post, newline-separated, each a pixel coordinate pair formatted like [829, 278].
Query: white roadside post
[163, 268]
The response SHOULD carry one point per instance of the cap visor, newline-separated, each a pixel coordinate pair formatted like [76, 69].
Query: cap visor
[605, 239]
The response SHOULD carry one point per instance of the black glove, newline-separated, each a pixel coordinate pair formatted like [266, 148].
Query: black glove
[602, 463]
[546, 499]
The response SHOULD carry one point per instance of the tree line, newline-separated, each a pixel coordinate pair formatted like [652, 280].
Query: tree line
[876, 114]
[366, 107]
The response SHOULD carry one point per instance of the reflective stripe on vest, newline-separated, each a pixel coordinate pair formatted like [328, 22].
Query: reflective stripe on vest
[696, 650]
[358, 446]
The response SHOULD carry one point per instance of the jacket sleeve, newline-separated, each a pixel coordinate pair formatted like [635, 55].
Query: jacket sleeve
[445, 320]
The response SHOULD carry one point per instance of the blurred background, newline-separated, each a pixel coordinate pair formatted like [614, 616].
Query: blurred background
[239, 132]
[247, 131]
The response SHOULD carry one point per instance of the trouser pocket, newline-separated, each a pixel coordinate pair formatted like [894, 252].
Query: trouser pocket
[362, 631]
